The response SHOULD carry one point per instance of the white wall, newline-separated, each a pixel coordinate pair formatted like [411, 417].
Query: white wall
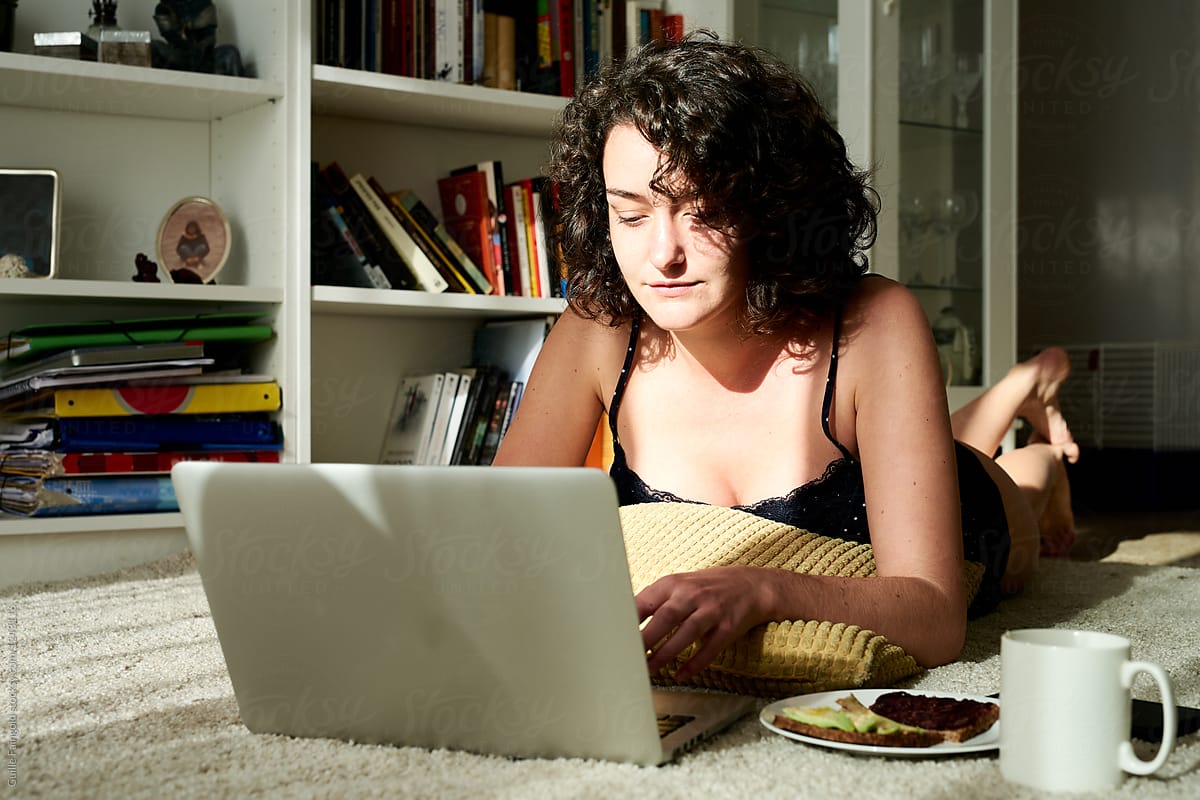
[1109, 171]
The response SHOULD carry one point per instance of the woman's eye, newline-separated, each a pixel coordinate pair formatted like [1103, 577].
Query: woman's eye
[629, 219]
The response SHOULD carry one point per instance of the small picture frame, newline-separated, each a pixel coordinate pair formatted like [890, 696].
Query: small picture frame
[193, 241]
[30, 209]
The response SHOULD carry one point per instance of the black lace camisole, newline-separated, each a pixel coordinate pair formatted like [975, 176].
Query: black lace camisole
[834, 504]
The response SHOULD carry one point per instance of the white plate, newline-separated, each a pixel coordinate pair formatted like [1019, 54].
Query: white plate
[988, 740]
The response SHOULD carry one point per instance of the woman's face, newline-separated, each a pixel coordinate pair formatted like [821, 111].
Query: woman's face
[684, 274]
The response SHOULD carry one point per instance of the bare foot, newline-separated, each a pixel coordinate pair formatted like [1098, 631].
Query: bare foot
[1041, 409]
[1057, 523]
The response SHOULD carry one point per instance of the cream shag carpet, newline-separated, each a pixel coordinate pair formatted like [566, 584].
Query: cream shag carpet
[116, 687]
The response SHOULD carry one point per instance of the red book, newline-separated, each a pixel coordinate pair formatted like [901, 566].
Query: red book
[467, 215]
[673, 27]
[158, 461]
[564, 17]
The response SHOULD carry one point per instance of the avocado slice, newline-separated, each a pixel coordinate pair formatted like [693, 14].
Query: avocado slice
[820, 717]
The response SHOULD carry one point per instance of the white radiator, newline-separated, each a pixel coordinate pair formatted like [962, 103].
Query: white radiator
[1144, 396]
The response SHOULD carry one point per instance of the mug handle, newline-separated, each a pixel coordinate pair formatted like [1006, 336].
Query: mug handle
[1127, 758]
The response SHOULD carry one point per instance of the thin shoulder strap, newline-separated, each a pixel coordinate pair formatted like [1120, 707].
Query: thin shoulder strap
[622, 379]
[830, 381]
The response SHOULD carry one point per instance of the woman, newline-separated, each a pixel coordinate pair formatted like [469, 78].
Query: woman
[713, 229]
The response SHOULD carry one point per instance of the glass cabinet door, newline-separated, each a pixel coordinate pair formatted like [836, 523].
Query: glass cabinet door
[805, 34]
[940, 203]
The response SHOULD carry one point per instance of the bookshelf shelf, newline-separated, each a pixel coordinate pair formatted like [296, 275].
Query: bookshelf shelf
[19, 291]
[388, 98]
[337, 300]
[19, 526]
[58, 84]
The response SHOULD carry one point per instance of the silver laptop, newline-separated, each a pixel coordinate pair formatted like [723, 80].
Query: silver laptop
[477, 608]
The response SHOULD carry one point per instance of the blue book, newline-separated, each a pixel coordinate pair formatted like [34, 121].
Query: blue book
[169, 432]
[76, 496]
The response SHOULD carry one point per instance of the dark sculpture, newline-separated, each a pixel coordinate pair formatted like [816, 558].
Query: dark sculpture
[147, 270]
[189, 31]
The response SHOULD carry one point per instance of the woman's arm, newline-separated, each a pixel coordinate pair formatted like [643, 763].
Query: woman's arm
[556, 420]
[898, 423]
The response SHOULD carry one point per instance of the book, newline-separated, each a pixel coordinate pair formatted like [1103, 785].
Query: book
[449, 42]
[50, 463]
[535, 242]
[33, 340]
[473, 35]
[505, 398]
[334, 259]
[72, 496]
[366, 231]
[493, 171]
[441, 238]
[16, 393]
[411, 419]
[562, 37]
[441, 260]
[395, 37]
[337, 257]
[512, 345]
[111, 357]
[458, 410]
[548, 270]
[173, 398]
[499, 46]
[480, 403]
[468, 218]
[167, 432]
[427, 277]
[519, 242]
[441, 418]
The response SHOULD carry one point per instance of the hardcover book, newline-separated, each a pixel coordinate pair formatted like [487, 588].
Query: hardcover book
[494, 173]
[468, 216]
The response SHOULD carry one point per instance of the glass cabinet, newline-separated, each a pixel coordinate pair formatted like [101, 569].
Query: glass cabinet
[924, 91]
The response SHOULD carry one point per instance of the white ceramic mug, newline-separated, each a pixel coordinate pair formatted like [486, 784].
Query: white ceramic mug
[1065, 706]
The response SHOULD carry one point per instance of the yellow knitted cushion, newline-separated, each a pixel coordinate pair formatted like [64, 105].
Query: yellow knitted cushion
[779, 658]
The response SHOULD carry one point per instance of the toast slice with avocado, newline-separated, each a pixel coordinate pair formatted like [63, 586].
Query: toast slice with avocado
[854, 723]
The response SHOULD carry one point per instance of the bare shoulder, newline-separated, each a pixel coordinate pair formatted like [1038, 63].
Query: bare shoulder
[883, 318]
[586, 342]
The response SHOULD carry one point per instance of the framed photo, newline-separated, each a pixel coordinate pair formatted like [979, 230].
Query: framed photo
[29, 218]
[193, 241]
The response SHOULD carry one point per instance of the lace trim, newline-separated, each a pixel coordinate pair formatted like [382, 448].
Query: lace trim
[799, 495]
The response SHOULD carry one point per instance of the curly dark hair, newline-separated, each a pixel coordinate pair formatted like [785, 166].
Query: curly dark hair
[737, 122]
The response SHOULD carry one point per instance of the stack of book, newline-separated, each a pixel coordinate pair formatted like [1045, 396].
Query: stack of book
[365, 235]
[504, 227]
[544, 46]
[93, 415]
[460, 416]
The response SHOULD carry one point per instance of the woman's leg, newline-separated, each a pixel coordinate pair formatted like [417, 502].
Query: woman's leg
[1037, 505]
[1029, 390]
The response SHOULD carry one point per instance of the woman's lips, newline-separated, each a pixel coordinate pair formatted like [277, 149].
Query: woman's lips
[672, 289]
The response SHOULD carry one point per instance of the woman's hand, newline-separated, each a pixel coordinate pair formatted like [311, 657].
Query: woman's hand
[713, 606]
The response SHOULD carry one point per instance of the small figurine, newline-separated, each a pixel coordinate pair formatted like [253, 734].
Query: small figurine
[147, 270]
[189, 31]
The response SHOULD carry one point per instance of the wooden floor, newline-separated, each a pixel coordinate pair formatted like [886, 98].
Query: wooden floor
[1139, 537]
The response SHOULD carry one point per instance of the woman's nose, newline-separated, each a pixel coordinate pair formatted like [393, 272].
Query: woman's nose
[666, 248]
